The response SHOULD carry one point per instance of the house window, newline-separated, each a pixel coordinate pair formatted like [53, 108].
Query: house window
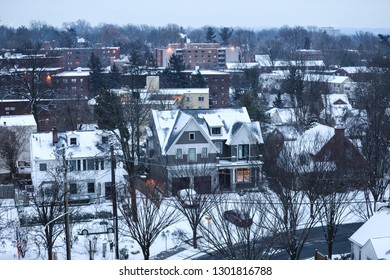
[243, 175]
[72, 165]
[191, 136]
[192, 154]
[91, 187]
[218, 145]
[201, 98]
[216, 131]
[73, 188]
[179, 154]
[42, 167]
[73, 141]
[204, 152]
[90, 164]
[104, 139]
[243, 151]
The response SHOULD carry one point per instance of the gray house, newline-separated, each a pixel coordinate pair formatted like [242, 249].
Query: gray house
[206, 150]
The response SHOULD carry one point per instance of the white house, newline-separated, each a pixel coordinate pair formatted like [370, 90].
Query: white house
[86, 155]
[372, 240]
[23, 126]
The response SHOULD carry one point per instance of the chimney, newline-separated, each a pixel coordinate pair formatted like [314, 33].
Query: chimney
[339, 132]
[55, 135]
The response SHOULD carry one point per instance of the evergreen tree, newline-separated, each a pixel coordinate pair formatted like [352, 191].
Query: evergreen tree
[172, 76]
[278, 102]
[225, 33]
[96, 76]
[210, 35]
[197, 80]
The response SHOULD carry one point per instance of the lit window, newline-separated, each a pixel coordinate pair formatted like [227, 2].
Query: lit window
[243, 175]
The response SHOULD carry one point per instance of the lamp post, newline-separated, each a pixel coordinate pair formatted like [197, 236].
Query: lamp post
[92, 247]
[165, 235]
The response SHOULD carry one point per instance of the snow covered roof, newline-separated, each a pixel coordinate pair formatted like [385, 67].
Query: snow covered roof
[18, 120]
[42, 147]
[169, 124]
[308, 143]
[284, 115]
[205, 72]
[264, 60]
[73, 74]
[374, 227]
[248, 65]
[336, 105]
[381, 246]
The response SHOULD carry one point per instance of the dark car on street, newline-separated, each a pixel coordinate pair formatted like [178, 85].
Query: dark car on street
[237, 218]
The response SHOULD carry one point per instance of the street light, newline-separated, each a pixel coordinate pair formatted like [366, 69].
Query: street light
[55, 219]
[165, 235]
[92, 247]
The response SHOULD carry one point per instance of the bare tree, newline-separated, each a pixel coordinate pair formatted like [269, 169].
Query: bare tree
[30, 78]
[13, 142]
[153, 219]
[194, 208]
[335, 209]
[373, 99]
[48, 213]
[235, 228]
[124, 116]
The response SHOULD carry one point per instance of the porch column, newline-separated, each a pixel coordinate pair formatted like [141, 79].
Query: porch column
[233, 179]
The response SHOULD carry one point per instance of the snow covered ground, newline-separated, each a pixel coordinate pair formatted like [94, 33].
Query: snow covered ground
[166, 243]
[167, 246]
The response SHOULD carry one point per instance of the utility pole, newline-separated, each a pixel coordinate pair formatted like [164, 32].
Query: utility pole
[114, 202]
[66, 211]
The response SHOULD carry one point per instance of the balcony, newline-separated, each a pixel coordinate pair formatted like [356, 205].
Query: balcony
[234, 161]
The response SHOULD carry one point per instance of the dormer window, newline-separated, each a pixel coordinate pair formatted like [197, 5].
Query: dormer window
[215, 131]
[73, 141]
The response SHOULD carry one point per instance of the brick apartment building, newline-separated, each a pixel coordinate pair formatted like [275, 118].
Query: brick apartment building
[218, 83]
[205, 55]
[72, 58]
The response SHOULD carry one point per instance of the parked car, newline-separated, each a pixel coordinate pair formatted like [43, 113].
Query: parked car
[96, 227]
[238, 218]
[188, 197]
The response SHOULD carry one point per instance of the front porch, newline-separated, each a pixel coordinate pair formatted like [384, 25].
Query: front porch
[239, 175]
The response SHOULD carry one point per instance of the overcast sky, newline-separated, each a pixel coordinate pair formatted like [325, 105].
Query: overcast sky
[358, 14]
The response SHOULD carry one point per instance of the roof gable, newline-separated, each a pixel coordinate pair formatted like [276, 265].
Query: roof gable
[373, 227]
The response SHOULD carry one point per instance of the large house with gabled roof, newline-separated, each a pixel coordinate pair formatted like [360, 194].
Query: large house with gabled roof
[205, 150]
[84, 155]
